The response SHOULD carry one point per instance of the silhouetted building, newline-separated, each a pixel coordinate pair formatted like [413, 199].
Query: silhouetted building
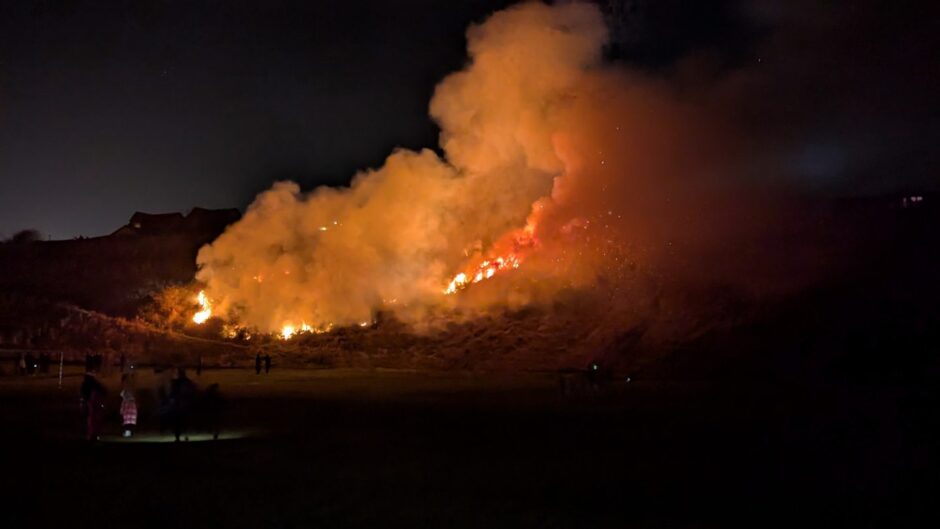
[152, 224]
[199, 220]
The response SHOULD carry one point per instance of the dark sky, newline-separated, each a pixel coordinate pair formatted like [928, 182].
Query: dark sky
[107, 108]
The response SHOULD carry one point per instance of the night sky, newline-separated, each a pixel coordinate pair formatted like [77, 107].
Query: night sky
[107, 108]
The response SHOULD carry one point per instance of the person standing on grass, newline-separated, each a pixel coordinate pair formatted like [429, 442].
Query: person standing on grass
[92, 395]
[258, 364]
[267, 364]
[128, 412]
[163, 409]
[127, 367]
[213, 406]
[182, 393]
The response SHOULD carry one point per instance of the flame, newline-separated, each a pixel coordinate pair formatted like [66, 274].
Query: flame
[206, 308]
[519, 241]
[289, 330]
[483, 271]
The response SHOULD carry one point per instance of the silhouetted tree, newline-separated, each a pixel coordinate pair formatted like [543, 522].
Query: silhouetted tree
[28, 235]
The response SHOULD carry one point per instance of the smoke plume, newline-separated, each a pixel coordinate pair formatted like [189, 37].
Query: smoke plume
[592, 176]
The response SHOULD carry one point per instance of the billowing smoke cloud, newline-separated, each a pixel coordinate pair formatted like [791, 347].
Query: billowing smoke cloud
[588, 174]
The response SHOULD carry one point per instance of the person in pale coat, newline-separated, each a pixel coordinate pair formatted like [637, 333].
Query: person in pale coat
[128, 412]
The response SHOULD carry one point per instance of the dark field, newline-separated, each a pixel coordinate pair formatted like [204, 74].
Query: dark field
[379, 449]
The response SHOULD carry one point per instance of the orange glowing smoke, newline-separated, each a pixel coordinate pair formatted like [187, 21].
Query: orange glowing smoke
[417, 228]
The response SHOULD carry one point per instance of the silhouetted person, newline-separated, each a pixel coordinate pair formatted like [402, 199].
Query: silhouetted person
[30, 364]
[88, 363]
[258, 364]
[21, 365]
[214, 406]
[91, 402]
[199, 366]
[127, 367]
[44, 361]
[163, 409]
[267, 364]
[182, 392]
[123, 362]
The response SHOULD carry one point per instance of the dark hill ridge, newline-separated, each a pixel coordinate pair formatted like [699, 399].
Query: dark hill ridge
[114, 273]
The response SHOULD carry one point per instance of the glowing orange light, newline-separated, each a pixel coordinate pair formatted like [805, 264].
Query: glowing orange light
[205, 312]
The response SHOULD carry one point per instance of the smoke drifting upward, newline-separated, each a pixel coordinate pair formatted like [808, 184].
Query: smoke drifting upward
[583, 172]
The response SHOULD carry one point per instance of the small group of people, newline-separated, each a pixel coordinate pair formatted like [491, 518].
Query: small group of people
[92, 398]
[267, 363]
[27, 364]
[182, 402]
[179, 402]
